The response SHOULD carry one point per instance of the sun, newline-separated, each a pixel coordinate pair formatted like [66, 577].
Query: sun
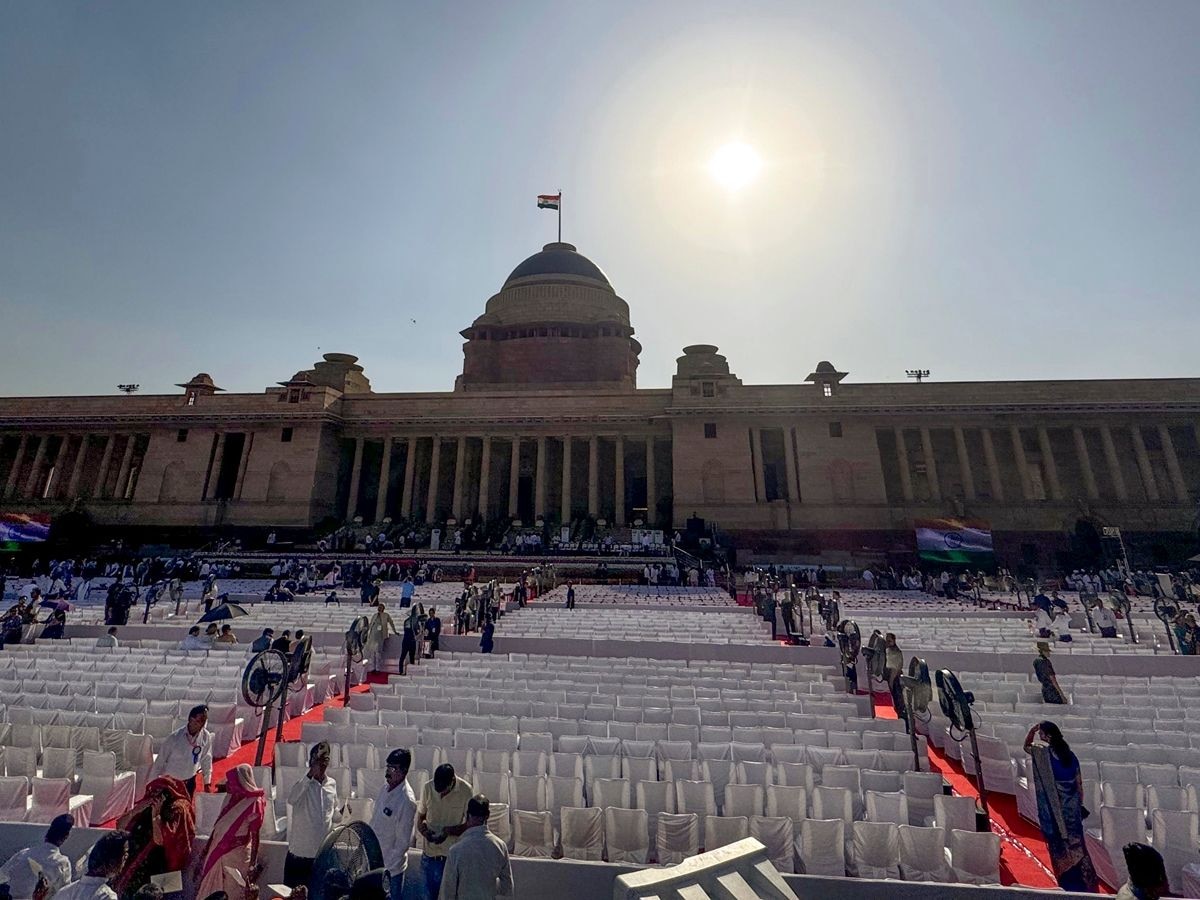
[735, 165]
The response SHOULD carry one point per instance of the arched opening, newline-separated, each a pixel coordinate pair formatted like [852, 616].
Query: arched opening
[173, 486]
[279, 481]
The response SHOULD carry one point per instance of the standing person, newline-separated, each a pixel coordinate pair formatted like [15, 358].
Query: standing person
[433, 628]
[441, 816]
[187, 751]
[487, 639]
[377, 634]
[233, 845]
[313, 803]
[570, 595]
[407, 588]
[408, 640]
[47, 856]
[105, 861]
[1058, 782]
[393, 819]
[477, 867]
[162, 829]
[1044, 670]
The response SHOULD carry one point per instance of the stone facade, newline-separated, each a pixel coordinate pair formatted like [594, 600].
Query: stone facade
[546, 422]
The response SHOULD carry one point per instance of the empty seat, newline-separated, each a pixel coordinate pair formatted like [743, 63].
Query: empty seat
[678, 837]
[954, 812]
[778, 835]
[876, 850]
[975, 856]
[695, 797]
[822, 847]
[627, 835]
[722, 830]
[533, 834]
[606, 792]
[923, 854]
[743, 800]
[887, 807]
[582, 833]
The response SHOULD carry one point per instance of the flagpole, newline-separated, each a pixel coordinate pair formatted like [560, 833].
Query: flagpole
[560, 215]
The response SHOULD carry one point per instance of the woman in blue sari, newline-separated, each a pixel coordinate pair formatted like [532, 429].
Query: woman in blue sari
[1059, 786]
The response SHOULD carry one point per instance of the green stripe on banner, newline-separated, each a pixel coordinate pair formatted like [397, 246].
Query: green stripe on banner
[958, 557]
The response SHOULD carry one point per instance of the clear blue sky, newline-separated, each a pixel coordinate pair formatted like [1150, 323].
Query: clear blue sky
[985, 189]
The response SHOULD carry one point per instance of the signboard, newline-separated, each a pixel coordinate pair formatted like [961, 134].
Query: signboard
[435, 540]
[954, 541]
[644, 536]
[1112, 531]
[24, 528]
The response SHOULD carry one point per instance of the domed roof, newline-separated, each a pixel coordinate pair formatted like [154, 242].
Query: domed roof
[558, 259]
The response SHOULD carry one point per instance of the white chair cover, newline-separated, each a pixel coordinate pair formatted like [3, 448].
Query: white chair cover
[975, 856]
[533, 834]
[876, 850]
[582, 833]
[778, 835]
[678, 837]
[627, 833]
[822, 847]
[923, 854]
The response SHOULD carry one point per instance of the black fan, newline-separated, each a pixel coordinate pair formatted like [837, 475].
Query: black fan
[875, 654]
[1166, 612]
[356, 639]
[956, 705]
[263, 684]
[918, 694]
[349, 852]
[1118, 602]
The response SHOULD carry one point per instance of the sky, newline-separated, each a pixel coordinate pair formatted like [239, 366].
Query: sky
[987, 190]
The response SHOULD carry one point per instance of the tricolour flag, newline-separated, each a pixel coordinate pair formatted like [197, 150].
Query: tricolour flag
[549, 201]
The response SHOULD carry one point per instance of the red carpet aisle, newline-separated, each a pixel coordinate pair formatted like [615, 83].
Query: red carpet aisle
[1024, 859]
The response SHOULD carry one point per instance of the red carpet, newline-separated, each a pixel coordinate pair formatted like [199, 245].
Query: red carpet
[1024, 859]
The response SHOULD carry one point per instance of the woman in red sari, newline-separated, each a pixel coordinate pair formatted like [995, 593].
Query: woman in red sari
[162, 827]
[233, 844]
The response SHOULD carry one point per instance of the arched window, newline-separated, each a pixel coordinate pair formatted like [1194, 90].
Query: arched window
[279, 481]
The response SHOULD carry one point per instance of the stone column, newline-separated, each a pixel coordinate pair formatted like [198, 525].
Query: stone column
[34, 470]
[539, 480]
[123, 472]
[355, 479]
[1018, 446]
[460, 465]
[77, 470]
[789, 457]
[1085, 464]
[214, 470]
[385, 475]
[619, 480]
[760, 489]
[247, 446]
[431, 495]
[902, 463]
[993, 467]
[10, 486]
[651, 485]
[931, 471]
[60, 462]
[105, 462]
[1172, 461]
[565, 512]
[1051, 467]
[1143, 463]
[410, 477]
[594, 477]
[1114, 464]
[485, 472]
[964, 463]
[514, 478]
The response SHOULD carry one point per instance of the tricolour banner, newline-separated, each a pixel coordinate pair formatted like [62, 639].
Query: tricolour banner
[954, 541]
[24, 528]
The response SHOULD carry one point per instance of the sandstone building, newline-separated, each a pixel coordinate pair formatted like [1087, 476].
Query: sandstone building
[547, 421]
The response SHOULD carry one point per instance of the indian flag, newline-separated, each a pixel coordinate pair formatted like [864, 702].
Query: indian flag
[549, 201]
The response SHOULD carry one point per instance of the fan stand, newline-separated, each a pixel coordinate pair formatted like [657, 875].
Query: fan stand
[983, 799]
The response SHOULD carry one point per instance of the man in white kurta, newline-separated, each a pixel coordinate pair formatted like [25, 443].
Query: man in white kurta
[394, 817]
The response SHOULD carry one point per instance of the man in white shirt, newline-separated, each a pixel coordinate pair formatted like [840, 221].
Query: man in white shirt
[105, 861]
[108, 641]
[392, 822]
[194, 641]
[477, 867]
[187, 751]
[19, 870]
[1105, 621]
[312, 804]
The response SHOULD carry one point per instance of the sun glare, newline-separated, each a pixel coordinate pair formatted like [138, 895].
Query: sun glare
[735, 165]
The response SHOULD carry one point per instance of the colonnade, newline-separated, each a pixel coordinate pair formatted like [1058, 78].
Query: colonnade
[47, 477]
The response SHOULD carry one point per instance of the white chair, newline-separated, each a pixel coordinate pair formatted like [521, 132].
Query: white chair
[794, 775]
[530, 762]
[953, 812]
[1167, 797]
[566, 765]
[563, 792]
[975, 856]
[528, 792]
[889, 807]
[20, 761]
[50, 797]
[533, 834]
[582, 833]
[833, 803]
[791, 802]
[722, 830]
[499, 823]
[695, 797]
[492, 785]
[59, 762]
[497, 761]
[112, 792]
[358, 809]
[822, 847]
[1119, 826]
[1175, 835]
[608, 792]
[876, 851]
[1123, 793]
[923, 854]
[14, 798]
[208, 808]
[678, 837]
[778, 835]
[627, 835]
[655, 797]
[744, 800]
[920, 788]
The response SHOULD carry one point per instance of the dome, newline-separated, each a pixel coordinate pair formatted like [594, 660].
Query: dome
[561, 260]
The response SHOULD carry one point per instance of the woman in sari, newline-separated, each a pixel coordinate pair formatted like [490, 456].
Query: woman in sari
[1059, 786]
[233, 845]
[161, 826]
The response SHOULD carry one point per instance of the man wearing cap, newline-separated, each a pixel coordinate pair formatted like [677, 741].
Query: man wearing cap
[441, 816]
[477, 867]
[263, 641]
[312, 804]
[392, 821]
[187, 751]
[49, 858]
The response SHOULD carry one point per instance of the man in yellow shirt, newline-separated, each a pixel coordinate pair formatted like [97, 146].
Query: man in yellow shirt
[441, 820]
